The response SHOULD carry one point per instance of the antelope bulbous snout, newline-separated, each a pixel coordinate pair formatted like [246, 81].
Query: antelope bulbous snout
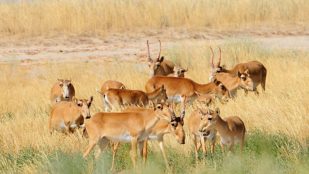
[205, 134]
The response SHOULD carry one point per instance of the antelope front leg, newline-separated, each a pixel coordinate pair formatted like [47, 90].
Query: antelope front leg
[89, 148]
[143, 150]
[114, 149]
[197, 146]
[222, 147]
[203, 146]
[133, 152]
[163, 153]
[212, 150]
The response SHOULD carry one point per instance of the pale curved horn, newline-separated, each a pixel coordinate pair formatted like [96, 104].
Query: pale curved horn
[149, 58]
[159, 50]
[219, 62]
[212, 57]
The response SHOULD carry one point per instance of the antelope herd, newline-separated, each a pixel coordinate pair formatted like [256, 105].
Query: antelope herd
[149, 115]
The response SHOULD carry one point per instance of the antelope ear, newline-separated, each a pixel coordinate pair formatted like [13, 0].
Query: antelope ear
[217, 110]
[238, 74]
[175, 68]
[200, 111]
[90, 101]
[217, 82]
[247, 71]
[161, 59]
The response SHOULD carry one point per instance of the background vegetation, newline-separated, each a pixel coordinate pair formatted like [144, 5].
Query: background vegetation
[277, 120]
[41, 17]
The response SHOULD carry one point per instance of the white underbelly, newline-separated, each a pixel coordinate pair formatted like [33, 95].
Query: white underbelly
[175, 99]
[121, 138]
[126, 138]
[62, 125]
[153, 137]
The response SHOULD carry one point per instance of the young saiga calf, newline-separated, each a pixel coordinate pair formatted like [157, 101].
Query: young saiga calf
[65, 116]
[199, 138]
[231, 129]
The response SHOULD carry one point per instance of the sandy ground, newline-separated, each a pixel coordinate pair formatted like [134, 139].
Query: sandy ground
[127, 47]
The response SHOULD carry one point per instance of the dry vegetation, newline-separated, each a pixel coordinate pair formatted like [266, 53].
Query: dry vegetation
[25, 107]
[39, 17]
[277, 120]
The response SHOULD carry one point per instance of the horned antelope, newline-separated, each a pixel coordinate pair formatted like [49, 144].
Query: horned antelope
[254, 69]
[133, 127]
[62, 90]
[184, 89]
[112, 84]
[163, 127]
[65, 116]
[118, 98]
[178, 71]
[199, 139]
[231, 129]
[159, 66]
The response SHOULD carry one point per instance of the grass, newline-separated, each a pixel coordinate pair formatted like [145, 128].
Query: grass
[277, 120]
[40, 17]
[263, 153]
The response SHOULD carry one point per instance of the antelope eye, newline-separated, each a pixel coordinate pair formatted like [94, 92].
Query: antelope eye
[79, 104]
[209, 119]
[243, 78]
[174, 124]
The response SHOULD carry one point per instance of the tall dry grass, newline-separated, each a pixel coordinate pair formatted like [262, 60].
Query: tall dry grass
[39, 17]
[25, 106]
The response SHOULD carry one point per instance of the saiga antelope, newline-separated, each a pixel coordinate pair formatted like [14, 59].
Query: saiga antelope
[159, 66]
[133, 127]
[255, 69]
[111, 84]
[185, 89]
[118, 98]
[163, 127]
[65, 116]
[199, 138]
[62, 90]
[234, 82]
[231, 129]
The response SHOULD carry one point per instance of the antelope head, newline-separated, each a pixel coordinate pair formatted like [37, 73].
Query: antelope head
[65, 84]
[208, 121]
[84, 105]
